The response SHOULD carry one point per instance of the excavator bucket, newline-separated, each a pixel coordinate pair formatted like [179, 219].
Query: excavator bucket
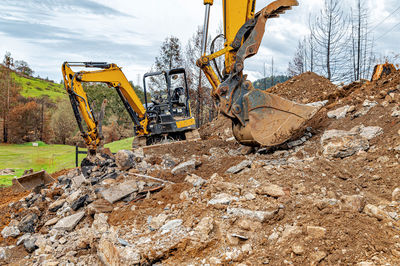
[32, 180]
[272, 119]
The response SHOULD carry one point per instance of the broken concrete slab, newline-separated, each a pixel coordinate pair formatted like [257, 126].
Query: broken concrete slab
[119, 191]
[68, 223]
[237, 168]
[261, 216]
[185, 167]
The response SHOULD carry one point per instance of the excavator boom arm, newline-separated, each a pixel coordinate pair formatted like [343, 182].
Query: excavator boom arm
[259, 118]
[113, 76]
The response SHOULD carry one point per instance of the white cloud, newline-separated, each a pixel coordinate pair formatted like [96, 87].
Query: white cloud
[48, 32]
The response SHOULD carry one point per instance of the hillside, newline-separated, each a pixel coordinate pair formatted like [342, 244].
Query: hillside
[36, 87]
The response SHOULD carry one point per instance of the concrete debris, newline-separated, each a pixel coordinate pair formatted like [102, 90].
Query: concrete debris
[10, 231]
[237, 168]
[68, 223]
[214, 202]
[119, 191]
[222, 198]
[271, 190]
[185, 167]
[340, 112]
[261, 216]
[125, 159]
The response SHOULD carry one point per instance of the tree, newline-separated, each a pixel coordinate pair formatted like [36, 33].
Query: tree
[23, 68]
[329, 32]
[9, 92]
[361, 42]
[170, 54]
[297, 65]
[63, 122]
[8, 61]
[25, 122]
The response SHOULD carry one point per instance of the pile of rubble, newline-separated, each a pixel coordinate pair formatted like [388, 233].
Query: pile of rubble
[332, 197]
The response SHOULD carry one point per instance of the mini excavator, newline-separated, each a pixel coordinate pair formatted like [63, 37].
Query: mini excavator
[165, 119]
[258, 118]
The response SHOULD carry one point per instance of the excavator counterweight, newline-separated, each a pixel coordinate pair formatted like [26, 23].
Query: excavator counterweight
[259, 118]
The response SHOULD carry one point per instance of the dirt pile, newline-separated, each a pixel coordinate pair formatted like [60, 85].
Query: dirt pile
[305, 88]
[331, 199]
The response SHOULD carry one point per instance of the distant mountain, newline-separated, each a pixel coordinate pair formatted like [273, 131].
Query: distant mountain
[266, 83]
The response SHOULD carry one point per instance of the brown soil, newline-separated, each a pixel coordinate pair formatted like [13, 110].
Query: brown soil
[305, 88]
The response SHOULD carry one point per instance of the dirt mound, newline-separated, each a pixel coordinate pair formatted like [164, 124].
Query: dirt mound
[305, 88]
[219, 128]
[331, 198]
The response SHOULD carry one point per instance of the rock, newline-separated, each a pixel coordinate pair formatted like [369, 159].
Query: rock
[100, 206]
[110, 254]
[30, 244]
[80, 202]
[339, 113]
[68, 223]
[354, 203]
[22, 239]
[158, 221]
[237, 168]
[195, 180]
[370, 132]
[396, 111]
[383, 159]
[375, 212]
[271, 190]
[74, 196]
[317, 256]
[77, 181]
[342, 144]
[203, 229]
[53, 207]
[4, 253]
[298, 249]
[217, 152]
[170, 225]
[368, 103]
[130, 256]
[10, 231]
[52, 221]
[396, 194]
[139, 154]
[119, 191]
[185, 167]
[261, 216]
[316, 231]
[100, 224]
[289, 231]
[222, 198]
[125, 159]
[249, 196]
[28, 223]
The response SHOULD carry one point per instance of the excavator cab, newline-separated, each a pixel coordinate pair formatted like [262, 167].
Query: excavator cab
[169, 113]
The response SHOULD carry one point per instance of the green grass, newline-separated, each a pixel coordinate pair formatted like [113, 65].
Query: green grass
[124, 144]
[36, 88]
[51, 158]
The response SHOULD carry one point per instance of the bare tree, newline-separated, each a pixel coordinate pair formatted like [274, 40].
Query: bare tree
[329, 33]
[361, 42]
[297, 65]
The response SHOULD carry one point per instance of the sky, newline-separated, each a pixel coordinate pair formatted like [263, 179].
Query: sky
[45, 33]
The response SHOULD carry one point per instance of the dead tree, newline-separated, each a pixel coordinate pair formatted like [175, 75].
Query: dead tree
[329, 31]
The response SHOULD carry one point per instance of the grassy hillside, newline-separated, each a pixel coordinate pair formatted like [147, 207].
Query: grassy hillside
[35, 87]
[51, 158]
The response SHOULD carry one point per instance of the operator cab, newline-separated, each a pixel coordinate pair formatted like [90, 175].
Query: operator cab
[169, 105]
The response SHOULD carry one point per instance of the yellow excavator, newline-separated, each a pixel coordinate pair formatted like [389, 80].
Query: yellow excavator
[259, 118]
[162, 119]
[382, 70]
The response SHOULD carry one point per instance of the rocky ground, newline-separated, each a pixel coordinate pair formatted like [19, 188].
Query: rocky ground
[331, 197]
